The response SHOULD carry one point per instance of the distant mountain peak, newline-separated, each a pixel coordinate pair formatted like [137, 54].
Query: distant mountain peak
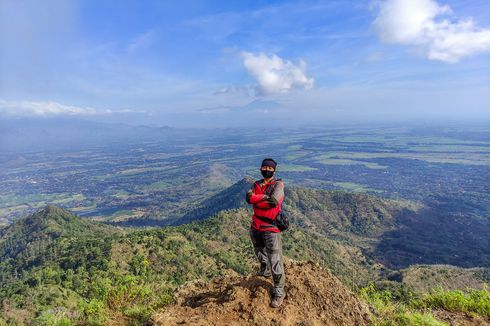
[49, 210]
[257, 106]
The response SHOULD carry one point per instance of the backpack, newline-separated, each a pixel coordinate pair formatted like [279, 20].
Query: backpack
[281, 221]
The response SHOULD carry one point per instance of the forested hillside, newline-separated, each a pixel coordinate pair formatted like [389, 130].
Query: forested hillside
[56, 267]
[96, 273]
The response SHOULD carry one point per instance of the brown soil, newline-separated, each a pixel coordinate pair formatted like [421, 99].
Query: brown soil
[314, 297]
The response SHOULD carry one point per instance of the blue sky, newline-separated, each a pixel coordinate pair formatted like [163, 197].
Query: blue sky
[211, 63]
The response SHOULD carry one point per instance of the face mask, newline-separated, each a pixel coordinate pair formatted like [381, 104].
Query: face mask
[267, 174]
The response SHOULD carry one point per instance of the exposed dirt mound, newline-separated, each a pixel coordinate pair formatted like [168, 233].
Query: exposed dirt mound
[314, 297]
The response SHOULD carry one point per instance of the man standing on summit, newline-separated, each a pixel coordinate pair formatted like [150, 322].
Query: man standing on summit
[266, 196]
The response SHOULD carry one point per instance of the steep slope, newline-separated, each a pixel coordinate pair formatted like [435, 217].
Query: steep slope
[339, 211]
[423, 278]
[45, 258]
[314, 297]
[229, 198]
[29, 239]
[435, 236]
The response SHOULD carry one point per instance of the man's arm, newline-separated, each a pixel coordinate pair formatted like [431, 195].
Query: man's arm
[252, 198]
[275, 199]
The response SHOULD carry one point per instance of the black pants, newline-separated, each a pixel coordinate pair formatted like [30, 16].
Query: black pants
[268, 249]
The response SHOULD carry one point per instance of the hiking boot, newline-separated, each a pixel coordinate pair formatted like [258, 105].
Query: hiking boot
[277, 301]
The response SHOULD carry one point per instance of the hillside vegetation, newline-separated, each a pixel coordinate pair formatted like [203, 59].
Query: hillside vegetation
[56, 268]
[95, 277]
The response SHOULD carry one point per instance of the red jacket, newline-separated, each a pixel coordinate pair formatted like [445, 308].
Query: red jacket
[265, 207]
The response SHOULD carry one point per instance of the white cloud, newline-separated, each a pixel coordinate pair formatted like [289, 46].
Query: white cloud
[40, 109]
[275, 75]
[426, 24]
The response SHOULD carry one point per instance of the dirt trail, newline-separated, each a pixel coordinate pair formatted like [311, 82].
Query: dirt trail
[314, 297]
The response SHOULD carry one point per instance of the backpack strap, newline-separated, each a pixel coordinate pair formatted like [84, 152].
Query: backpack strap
[273, 187]
[266, 219]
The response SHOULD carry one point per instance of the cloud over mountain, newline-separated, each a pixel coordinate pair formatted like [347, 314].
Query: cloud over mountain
[256, 106]
[431, 27]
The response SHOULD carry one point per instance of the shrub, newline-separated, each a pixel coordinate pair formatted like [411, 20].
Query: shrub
[93, 312]
[53, 317]
[390, 312]
[475, 301]
[417, 318]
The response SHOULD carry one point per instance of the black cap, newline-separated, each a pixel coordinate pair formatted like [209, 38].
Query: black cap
[269, 162]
